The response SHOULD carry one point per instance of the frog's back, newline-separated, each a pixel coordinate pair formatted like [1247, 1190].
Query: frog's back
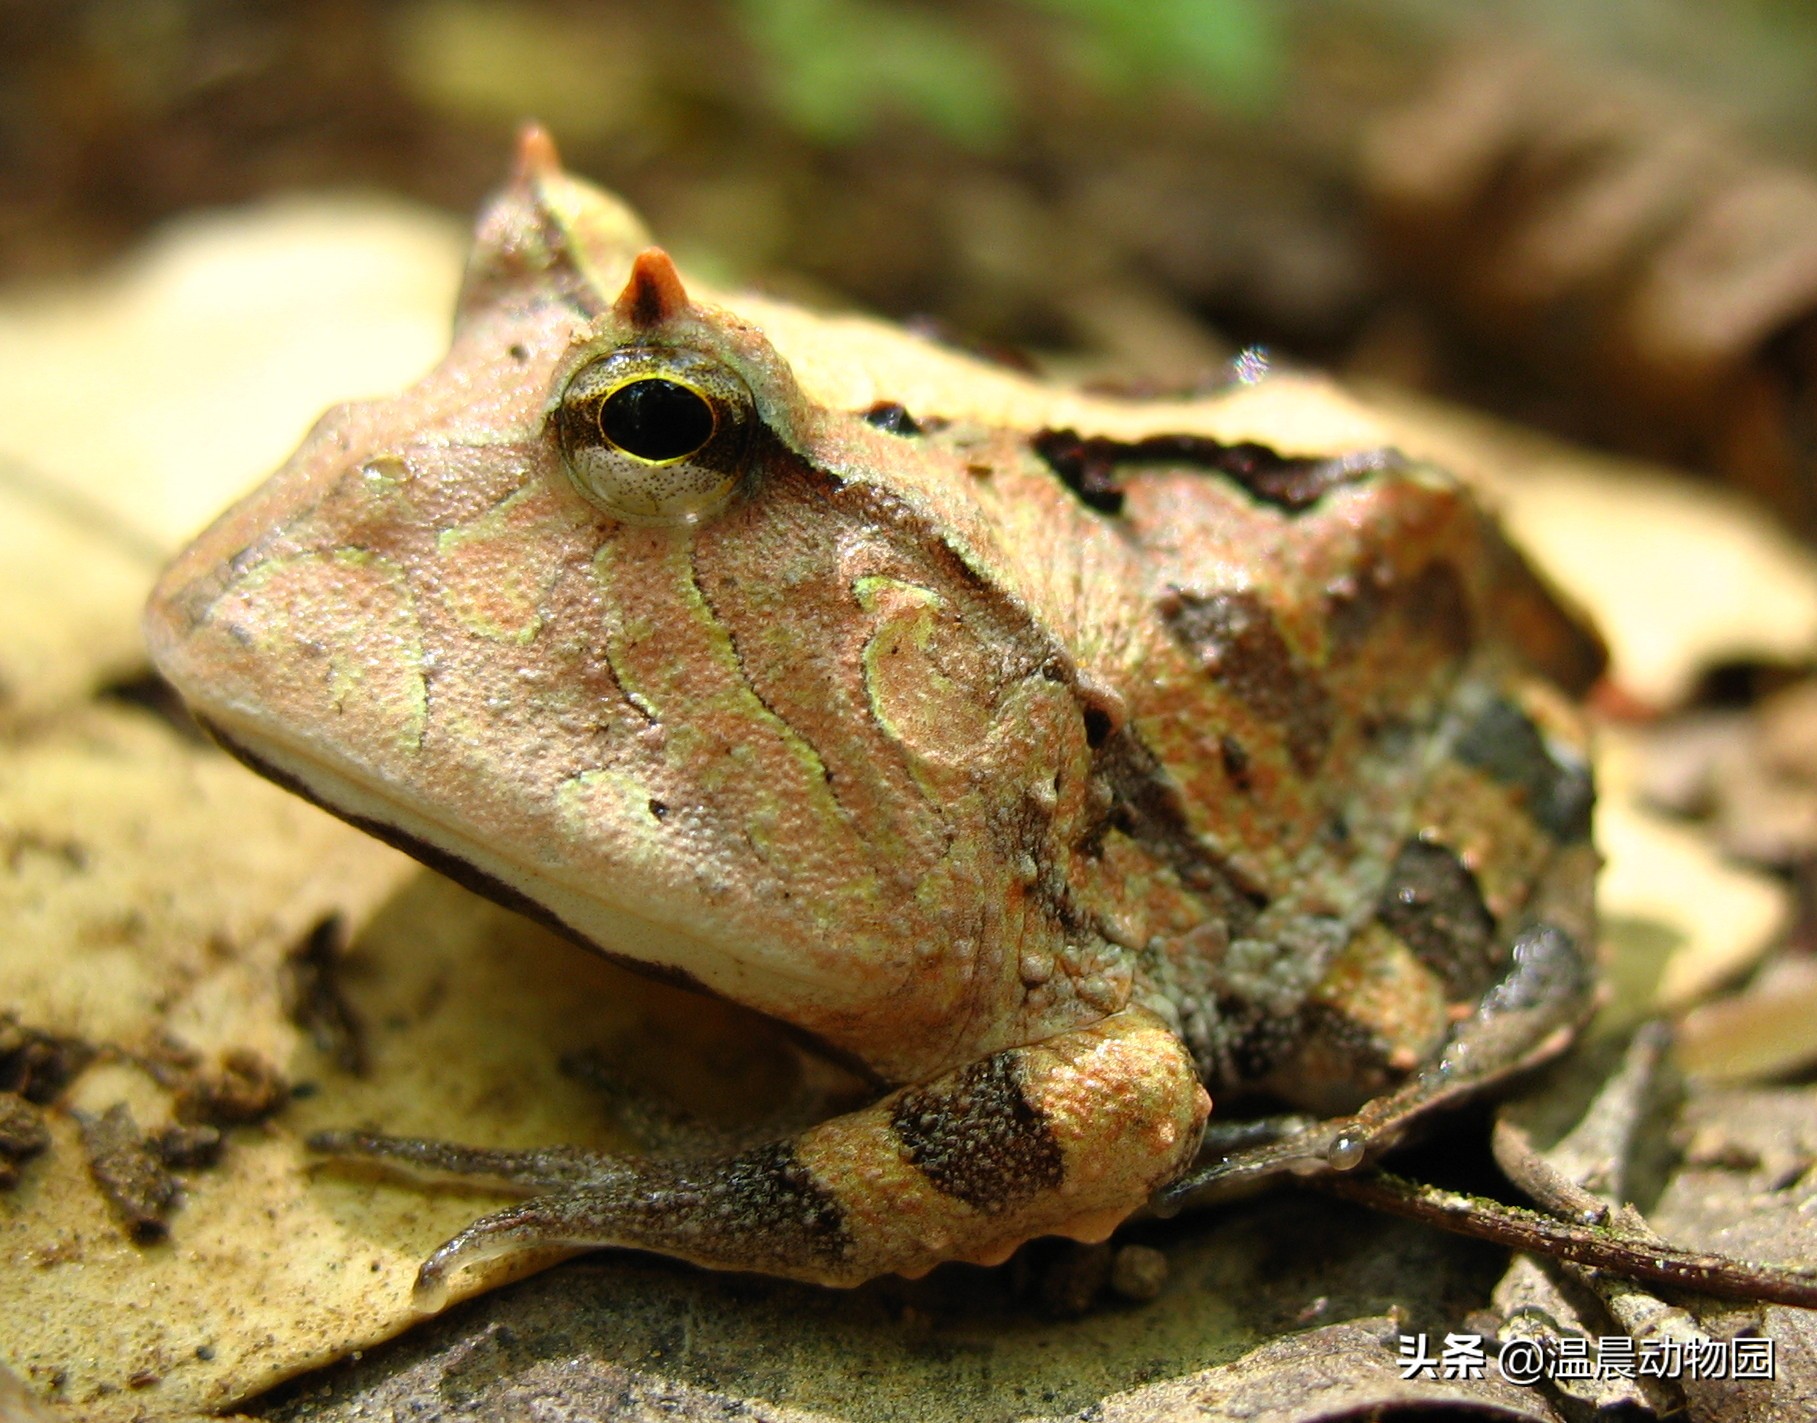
[1348, 779]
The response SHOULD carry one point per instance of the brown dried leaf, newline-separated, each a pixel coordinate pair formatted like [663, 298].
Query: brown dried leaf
[1768, 1030]
[1655, 274]
[69, 599]
[164, 389]
[1678, 576]
[1680, 919]
[1748, 1188]
[151, 888]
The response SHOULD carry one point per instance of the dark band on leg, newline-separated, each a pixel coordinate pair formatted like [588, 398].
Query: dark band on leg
[764, 1196]
[978, 1138]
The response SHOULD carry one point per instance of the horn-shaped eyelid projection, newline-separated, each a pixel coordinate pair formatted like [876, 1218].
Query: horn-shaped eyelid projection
[656, 415]
[653, 295]
[535, 157]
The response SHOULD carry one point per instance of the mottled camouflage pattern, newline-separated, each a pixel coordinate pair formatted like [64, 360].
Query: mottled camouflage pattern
[1051, 758]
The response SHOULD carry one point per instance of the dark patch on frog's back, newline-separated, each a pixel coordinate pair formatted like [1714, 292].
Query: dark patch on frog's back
[1432, 903]
[1088, 465]
[1146, 805]
[1505, 745]
[978, 1138]
[1432, 605]
[1093, 480]
[1235, 637]
[892, 417]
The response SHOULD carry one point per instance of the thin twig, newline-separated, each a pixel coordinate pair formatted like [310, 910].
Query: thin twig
[1519, 1229]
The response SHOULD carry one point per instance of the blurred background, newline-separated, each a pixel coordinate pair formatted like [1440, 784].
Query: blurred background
[1598, 219]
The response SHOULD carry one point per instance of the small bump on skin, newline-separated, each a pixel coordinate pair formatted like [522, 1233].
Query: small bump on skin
[1035, 966]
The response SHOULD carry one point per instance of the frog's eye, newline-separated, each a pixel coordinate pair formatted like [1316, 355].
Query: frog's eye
[655, 435]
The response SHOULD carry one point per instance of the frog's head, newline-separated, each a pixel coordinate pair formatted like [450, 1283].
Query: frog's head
[610, 618]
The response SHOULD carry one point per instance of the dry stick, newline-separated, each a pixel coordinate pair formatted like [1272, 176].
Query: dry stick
[1519, 1229]
[1599, 1150]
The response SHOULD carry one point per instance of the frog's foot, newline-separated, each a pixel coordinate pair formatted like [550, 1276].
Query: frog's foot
[1529, 1016]
[1063, 1137]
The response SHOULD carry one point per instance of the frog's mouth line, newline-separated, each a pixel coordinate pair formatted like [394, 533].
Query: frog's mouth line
[445, 861]
[490, 886]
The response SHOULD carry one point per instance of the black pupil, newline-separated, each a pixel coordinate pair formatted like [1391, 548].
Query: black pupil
[656, 419]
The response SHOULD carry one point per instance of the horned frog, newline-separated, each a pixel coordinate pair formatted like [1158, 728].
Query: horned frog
[1056, 760]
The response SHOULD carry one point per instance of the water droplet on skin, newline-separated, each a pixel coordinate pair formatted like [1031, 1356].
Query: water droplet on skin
[1251, 365]
[1345, 1152]
[384, 471]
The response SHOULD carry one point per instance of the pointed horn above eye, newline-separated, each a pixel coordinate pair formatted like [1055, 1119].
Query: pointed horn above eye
[654, 292]
[536, 157]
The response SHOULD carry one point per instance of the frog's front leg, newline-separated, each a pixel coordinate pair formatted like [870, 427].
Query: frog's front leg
[1062, 1137]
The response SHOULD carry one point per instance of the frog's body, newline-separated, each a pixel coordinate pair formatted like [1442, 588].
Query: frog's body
[1053, 759]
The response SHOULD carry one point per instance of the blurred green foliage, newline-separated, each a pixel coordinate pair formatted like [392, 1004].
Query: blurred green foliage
[1229, 52]
[835, 68]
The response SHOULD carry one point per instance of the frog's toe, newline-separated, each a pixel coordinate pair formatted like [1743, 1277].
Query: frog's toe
[540, 1169]
[571, 1221]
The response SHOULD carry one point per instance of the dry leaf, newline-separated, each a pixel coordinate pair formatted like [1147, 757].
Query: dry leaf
[1679, 576]
[1691, 920]
[162, 390]
[69, 600]
[1768, 1030]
